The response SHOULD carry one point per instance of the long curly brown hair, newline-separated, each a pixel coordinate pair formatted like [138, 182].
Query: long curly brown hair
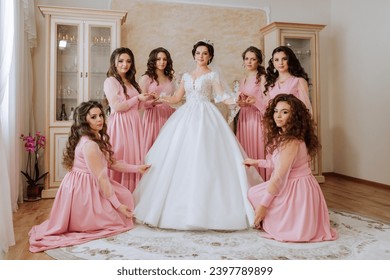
[294, 67]
[81, 127]
[300, 125]
[151, 64]
[130, 75]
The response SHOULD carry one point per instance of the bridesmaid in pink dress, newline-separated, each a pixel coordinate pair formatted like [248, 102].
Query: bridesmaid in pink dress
[290, 207]
[88, 204]
[252, 102]
[124, 123]
[157, 80]
[286, 75]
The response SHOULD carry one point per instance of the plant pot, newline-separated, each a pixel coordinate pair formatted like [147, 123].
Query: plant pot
[33, 192]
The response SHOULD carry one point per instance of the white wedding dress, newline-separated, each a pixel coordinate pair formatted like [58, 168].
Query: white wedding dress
[197, 180]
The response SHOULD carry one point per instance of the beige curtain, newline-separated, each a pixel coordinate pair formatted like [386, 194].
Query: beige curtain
[6, 50]
[17, 37]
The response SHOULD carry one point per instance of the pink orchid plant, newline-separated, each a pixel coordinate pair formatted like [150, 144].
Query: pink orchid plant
[33, 144]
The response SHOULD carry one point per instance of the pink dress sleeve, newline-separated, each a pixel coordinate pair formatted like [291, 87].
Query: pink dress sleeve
[144, 84]
[303, 94]
[282, 166]
[97, 165]
[266, 163]
[261, 99]
[113, 91]
[124, 167]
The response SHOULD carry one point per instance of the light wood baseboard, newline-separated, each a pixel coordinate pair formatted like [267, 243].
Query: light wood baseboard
[357, 180]
[49, 193]
[320, 178]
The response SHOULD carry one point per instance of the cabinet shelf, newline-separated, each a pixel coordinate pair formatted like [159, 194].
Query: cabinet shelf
[101, 45]
[65, 72]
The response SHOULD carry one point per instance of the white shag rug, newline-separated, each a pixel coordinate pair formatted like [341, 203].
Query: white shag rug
[360, 238]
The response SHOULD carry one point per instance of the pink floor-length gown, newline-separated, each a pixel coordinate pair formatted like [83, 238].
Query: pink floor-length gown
[124, 127]
[249, 127]
[298, 212]
[154, 117]
[80, 212]
[292, 85]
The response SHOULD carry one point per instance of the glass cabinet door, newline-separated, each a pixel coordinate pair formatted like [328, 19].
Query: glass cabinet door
[67, 83]
[100, 46]
[302, 48]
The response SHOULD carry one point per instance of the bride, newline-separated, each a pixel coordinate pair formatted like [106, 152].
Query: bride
[197, 180]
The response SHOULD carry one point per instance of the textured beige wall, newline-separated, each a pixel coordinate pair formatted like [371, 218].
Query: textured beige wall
[177, 27]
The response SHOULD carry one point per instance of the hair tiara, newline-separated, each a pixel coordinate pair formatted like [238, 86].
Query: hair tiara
[207, 41]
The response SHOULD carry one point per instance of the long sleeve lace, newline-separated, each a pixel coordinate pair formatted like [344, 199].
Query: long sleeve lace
[282, 167]
[112, 90]
[97, 165]
[221, 92]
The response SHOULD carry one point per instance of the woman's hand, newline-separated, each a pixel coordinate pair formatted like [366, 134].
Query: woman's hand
[241, 101]
[125, 211]
[143, 168]
[144, 96]
[250, 161]
[260, 213]
[250, 100]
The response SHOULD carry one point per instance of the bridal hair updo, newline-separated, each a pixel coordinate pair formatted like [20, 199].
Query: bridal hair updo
[208, 44]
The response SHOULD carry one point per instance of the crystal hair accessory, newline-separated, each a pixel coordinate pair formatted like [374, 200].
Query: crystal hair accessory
[207, 41]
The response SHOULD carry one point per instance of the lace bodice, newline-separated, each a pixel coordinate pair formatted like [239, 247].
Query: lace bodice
[204, 88]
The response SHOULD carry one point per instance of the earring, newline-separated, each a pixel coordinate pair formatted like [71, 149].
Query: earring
[274, 70]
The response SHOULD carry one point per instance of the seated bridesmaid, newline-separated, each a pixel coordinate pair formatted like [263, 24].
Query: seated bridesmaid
[290, 206]
[88, 204]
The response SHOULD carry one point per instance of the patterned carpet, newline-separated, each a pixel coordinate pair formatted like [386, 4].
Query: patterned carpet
[360, 238]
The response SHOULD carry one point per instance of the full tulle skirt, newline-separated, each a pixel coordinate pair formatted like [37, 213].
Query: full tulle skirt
[197, 180]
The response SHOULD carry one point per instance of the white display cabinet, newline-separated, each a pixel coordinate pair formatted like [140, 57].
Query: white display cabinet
[79, 43]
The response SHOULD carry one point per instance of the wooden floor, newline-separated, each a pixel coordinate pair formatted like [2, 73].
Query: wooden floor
[341, 193]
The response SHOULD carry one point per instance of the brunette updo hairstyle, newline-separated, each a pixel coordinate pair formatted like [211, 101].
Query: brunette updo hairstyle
[209, 46]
